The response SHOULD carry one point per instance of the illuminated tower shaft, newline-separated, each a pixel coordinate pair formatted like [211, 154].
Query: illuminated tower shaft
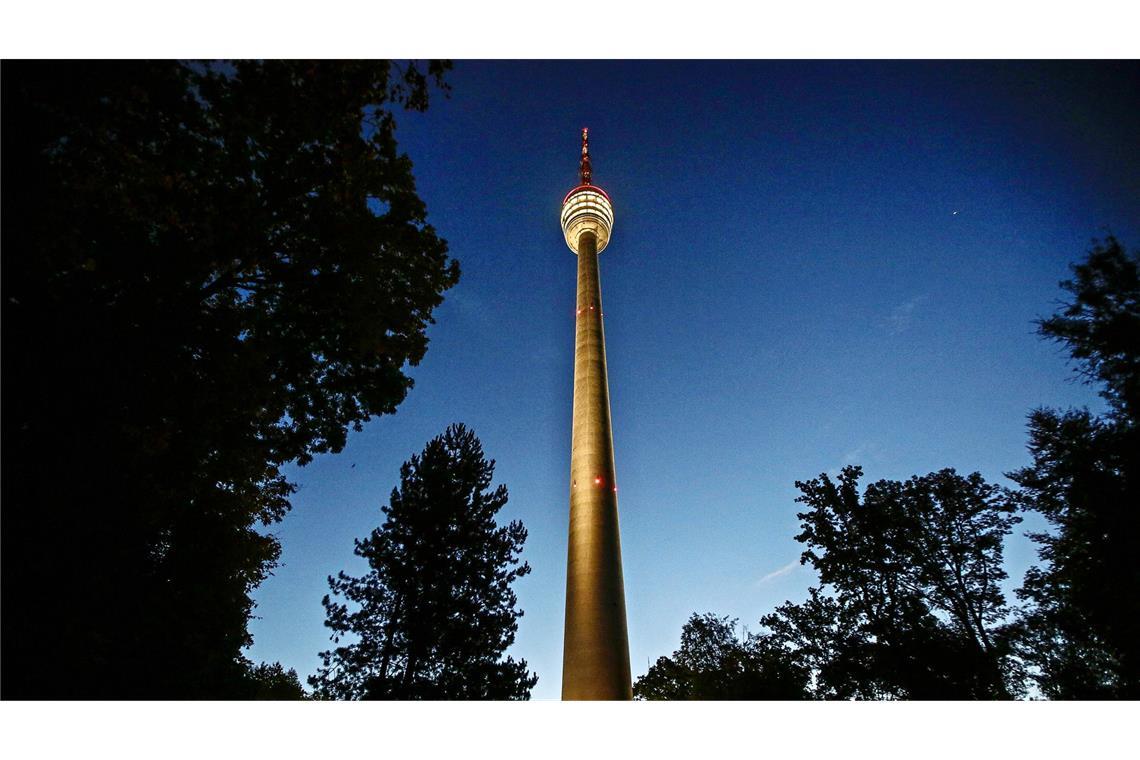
[595, 660]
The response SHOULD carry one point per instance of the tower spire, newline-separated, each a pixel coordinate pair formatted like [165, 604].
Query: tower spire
[584, 167]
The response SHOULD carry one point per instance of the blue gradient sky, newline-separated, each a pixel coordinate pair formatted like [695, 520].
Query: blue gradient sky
[813, 264]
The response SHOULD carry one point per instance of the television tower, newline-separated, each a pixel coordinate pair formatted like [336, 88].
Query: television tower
[595, 656]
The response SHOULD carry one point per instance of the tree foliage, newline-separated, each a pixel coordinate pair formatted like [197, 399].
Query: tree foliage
[714, 663]
[435, 613]
[209, 271]
[830, 641]
[274, 682]
[1081, 625]
[1100, 326]
[910, 605]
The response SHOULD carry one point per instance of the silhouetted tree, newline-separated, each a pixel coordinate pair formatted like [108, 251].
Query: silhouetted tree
[436, 611]
[916, 567]
[273, 682]
[209, 271]
[713, 663]
[1100, 327]
[1081, 628]
[830, 641]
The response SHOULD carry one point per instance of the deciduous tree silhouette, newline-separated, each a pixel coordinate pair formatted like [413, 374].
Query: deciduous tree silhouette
[209, 271]
[831, 642]
[435, 613]
[910, 608]
[1081, 629]
[916, 569]
[918, 566]
[713, 663]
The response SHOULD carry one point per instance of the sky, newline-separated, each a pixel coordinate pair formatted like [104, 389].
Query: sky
[813, 264]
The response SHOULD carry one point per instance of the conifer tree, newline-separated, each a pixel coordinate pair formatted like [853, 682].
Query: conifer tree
[1080, 633]
[436, 611]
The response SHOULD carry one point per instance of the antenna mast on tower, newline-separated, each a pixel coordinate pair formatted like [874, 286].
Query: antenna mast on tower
[584, 167]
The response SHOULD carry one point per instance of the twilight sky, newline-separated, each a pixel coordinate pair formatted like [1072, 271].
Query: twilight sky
[813, 264]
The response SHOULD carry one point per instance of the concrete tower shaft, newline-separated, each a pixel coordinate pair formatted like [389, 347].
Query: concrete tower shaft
[595, 662]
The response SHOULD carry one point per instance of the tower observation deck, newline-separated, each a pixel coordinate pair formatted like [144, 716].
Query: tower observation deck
[595, 659]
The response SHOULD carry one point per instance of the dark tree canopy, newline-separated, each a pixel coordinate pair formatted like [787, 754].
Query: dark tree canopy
[436, 612]
[831, 642]
[1100, 326]
[714, 663]
[910, 605]
[1081, 627]
[209, 271]
[273, 682]
[917, 610]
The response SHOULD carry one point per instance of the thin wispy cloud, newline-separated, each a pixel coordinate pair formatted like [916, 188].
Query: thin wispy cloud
[855, 455]
[901, 316]
[866, 453]
[469, 305]
[788, 568]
